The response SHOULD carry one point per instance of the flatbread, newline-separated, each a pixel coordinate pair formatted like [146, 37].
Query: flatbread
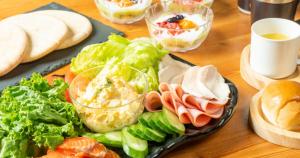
[13, 44]
[79, 26]
[45, 32]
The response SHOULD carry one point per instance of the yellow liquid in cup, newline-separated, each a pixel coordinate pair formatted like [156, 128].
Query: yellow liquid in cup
[275, 36]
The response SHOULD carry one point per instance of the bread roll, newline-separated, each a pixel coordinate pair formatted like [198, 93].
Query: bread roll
[281, 104]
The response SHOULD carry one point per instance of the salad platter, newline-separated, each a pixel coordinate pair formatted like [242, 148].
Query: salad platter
[118, 98]
[113, 100]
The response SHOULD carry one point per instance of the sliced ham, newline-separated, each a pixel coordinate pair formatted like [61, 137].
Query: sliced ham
[184, 115]
[211, 106]
[153, 101]
[191, 102]
[168, 100]
[199, 118]
[205, 82]
[171, 71]
[188, 108]
[195, 94]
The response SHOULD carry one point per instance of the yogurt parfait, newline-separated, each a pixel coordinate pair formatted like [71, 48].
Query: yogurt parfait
[123, 11]
[179, 30]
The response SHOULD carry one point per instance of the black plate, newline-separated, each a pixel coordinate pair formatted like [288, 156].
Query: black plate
[157, 150]
[59, 58]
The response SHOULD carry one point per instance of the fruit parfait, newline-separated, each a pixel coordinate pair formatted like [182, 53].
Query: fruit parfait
[179, 30]
[123, 11]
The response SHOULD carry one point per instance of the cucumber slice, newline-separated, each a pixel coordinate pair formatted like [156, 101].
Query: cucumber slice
[157, 123]
[172, 122]
[145, 118]
[133, 146]
[163, 123]
[153, 134]
[113, 139]
[137, 132]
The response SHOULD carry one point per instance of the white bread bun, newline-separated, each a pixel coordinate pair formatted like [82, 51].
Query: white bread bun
[281, 104]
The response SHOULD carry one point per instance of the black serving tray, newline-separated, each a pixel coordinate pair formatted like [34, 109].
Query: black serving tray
[59, 58]
[157, 150]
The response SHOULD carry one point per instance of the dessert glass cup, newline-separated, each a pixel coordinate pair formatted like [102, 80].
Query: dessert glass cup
[122, 15]
[187, 39]
[174, 3]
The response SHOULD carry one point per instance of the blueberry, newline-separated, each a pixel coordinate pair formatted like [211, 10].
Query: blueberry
[171, 20]
[179, 17]
[175, 18]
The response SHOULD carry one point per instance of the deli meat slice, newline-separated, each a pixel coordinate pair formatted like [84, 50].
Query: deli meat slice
[206, 82]
[171, 71]
[153, 101]
[195, 94]
[188, 108]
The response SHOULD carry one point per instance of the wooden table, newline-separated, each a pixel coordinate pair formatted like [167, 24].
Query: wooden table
[230, 33]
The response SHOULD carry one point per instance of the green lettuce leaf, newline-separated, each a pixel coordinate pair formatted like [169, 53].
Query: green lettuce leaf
[98, 54]
[142, 55]
[118, 55]
[52, 135]
[14, 146]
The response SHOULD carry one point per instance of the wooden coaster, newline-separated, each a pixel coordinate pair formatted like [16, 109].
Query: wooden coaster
[269, 131]
[257, 80]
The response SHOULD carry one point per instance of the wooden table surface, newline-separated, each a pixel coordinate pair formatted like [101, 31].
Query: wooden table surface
[229, 34]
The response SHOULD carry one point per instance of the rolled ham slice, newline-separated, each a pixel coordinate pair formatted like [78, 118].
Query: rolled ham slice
[153, 101]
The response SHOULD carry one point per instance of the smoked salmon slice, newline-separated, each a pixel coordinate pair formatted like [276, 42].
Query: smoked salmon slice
[79, 144]
[81, 147]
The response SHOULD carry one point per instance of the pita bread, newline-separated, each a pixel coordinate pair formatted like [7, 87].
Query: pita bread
[45, 33]
[13, 42]
[79, 26]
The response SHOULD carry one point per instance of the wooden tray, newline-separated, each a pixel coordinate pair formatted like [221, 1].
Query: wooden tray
[256, 80]
[267, 130]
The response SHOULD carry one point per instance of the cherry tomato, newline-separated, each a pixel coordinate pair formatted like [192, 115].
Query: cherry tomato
[69, 76]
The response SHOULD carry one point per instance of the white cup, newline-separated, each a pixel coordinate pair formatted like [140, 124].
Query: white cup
[274, 58]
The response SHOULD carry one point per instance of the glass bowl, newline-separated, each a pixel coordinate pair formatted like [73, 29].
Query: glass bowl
[179, 39]
[174, 3]
[118, 12]
[105, 109]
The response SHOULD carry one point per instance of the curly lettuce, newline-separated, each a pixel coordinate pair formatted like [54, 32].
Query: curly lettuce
[37, 111]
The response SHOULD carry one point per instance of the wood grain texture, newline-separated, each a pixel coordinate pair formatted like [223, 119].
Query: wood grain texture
[255, 79]
[230, 33]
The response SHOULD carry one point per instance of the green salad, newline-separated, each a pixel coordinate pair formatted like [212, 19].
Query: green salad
[119, 53]
[35, 115]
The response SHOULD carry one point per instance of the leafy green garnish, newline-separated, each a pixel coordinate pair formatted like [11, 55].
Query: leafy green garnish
[35, 110]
